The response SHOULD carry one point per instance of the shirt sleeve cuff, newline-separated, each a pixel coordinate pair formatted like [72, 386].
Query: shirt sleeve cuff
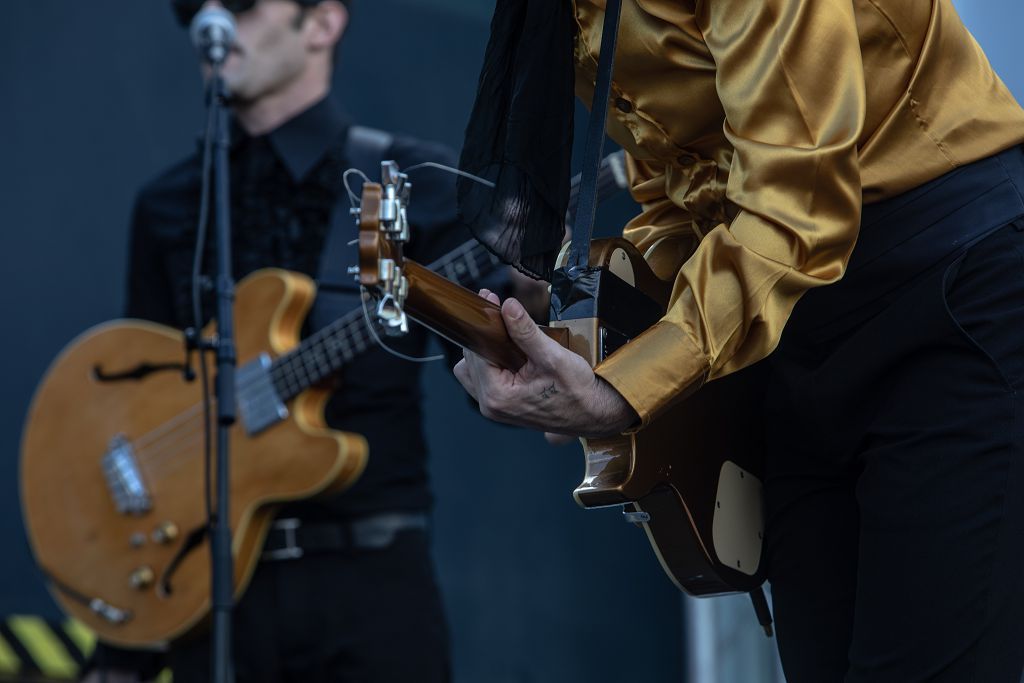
[658, 368]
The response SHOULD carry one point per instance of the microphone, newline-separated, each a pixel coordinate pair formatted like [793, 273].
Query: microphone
[213, 34]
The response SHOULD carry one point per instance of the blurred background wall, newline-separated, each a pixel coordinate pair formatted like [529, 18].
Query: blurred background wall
[98, 96]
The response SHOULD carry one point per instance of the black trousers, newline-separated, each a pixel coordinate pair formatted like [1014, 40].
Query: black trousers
[365, 616]
[895, 481]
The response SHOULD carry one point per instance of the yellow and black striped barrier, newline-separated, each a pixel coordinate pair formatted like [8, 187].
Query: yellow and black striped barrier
[37, 650]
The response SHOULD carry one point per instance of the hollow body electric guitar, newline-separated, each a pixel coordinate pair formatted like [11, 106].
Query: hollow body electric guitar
[691, 479]
[112, 464]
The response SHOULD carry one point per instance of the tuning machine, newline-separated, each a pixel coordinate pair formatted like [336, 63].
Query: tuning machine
[394, 219]
[383, 231]
[390, 306]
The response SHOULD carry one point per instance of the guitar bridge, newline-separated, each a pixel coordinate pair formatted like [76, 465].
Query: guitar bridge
[124, 478]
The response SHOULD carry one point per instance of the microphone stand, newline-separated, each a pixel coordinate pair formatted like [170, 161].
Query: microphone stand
[222, 569]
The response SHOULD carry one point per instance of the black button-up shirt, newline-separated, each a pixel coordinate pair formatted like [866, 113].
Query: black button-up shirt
[284, 186]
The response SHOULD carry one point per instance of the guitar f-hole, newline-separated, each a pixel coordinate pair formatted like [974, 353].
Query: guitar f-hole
[164, 588]
[140, 371]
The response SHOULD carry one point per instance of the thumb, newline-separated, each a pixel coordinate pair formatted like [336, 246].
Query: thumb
[523, 330]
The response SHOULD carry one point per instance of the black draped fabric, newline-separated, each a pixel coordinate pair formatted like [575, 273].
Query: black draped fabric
[520, 135]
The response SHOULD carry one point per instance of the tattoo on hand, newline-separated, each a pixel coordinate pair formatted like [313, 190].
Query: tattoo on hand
[549, 392]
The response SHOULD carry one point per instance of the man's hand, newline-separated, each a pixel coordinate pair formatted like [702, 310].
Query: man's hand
[555, 391]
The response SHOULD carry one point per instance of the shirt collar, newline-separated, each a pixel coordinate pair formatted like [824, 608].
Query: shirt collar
[301, 142]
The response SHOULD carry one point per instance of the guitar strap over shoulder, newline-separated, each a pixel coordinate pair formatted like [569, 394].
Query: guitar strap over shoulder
[578, 281]
[583, 230]
[337, 291]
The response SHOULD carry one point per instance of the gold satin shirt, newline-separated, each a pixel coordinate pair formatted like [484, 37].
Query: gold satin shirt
[756, 129]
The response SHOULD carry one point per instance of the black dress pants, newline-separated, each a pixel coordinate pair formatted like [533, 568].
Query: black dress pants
[895, 481]
[365, 616]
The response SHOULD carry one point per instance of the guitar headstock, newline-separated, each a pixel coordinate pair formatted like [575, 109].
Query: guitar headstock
[383, 230]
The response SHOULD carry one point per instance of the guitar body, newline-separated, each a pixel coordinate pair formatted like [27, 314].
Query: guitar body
[692, 478]
[154, 564]
[694, 474]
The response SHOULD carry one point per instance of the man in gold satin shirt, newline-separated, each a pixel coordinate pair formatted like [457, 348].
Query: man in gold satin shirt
[849, 173]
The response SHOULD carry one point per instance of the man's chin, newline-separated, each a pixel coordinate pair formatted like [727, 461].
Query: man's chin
[238, 88]
[239, 99]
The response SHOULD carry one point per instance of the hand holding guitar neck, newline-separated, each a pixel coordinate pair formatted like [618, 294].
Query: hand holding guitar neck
[689, 477]
[555, 390]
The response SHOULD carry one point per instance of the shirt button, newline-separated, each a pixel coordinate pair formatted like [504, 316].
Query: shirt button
[623, 105]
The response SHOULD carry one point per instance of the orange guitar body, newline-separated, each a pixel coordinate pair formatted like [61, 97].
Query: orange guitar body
[140, 562]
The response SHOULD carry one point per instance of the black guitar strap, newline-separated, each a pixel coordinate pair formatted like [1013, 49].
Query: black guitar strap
[583, 230]
[337, 291]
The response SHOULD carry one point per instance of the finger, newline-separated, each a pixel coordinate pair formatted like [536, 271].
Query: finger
[489, 295]
[465, 377]
[478, 364]
[476, 371]
[525, 333]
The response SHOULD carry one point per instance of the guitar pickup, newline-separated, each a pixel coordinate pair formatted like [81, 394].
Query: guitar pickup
[259, 404]
[124, 478]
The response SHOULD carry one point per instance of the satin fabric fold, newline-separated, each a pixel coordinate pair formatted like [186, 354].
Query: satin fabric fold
[758, 130]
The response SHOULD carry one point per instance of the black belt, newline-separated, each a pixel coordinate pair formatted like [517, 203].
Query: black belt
[290, 538]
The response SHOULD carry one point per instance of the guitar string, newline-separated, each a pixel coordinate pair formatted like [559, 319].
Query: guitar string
[339, 326]
[163, 460]
[167, 448]
[156, 445]
[289, 373]
[149, 447]
[301, 368]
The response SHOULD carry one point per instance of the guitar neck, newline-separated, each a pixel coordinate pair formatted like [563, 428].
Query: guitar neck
[442, 304]
[464, 318]
[330, 349]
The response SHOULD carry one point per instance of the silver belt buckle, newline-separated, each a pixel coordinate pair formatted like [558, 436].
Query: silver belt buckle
[291, 550]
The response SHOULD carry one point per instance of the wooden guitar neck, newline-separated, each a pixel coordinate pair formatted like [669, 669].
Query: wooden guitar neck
[464, 318]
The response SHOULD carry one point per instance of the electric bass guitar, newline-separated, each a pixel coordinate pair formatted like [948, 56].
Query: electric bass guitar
[112, 465]
[691, 479]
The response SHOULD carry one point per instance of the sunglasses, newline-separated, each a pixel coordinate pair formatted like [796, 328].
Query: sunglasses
[186, 10]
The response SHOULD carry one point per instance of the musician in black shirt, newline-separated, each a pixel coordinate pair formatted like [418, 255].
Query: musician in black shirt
[344, 610]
